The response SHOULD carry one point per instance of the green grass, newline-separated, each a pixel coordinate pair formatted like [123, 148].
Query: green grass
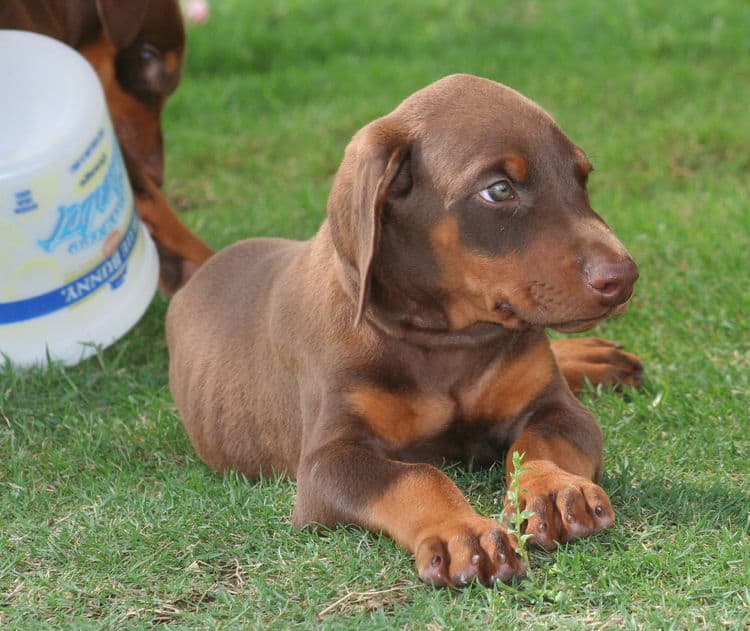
[107, 517]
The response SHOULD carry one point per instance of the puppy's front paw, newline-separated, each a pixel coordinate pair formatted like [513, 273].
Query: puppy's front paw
[565, 506]
[596, 360]
[456, 553]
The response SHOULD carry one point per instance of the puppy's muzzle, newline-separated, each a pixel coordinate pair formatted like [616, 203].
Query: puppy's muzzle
[611, 281]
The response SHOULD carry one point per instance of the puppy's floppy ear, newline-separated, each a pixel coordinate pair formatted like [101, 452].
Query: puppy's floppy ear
[121, 19]
[372, 171]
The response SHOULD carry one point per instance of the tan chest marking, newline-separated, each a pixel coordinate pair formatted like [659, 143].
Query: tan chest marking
[506, 388]
[401, 418]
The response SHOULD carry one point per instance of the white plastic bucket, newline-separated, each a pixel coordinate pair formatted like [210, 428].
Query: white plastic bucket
[77, 267]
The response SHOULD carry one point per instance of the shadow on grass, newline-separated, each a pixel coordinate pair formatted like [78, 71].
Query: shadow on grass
[679, 502]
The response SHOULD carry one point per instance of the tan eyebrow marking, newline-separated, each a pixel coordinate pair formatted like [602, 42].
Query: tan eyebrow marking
[171, 61]
[516, 166]
[583, 162]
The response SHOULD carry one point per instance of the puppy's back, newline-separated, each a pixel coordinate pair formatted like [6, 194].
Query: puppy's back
[222, 369]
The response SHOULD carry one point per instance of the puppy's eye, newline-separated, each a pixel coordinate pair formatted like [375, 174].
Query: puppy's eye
[500, 191]
[149, 53]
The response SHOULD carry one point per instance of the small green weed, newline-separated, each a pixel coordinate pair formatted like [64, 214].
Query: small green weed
[514, 515]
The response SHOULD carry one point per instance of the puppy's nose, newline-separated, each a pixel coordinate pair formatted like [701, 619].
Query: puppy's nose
[612, 280]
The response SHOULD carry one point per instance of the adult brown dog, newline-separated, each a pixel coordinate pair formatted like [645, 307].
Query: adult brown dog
[410, 330]
[137, 49]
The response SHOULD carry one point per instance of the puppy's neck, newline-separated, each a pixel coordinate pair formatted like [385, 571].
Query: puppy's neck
[425, 326]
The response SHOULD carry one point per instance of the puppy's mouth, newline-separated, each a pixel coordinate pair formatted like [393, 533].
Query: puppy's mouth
[576, 326]
[512, 319]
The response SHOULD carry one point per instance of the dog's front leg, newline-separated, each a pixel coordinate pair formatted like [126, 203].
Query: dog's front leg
[416, 504]
[562, 449]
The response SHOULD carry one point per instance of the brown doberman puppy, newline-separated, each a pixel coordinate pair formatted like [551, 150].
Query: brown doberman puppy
[137, 49]
[410, 330]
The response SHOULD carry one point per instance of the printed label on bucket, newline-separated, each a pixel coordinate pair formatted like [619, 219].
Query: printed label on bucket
[110, 271]
[68, 234]
[85, 223]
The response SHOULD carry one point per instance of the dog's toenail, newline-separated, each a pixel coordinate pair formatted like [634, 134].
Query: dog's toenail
[504, 307]
[464, 578]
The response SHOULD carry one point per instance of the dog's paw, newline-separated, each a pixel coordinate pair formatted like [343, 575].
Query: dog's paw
[596, 360]
[565, 506]
[455, 554]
